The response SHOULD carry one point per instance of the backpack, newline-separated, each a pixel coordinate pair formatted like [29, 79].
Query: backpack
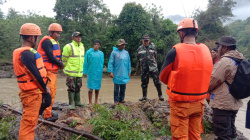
[240, 87]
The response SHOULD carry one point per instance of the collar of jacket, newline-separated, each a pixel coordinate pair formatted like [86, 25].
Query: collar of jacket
[151, 45]
[234, 54]
[75, 43]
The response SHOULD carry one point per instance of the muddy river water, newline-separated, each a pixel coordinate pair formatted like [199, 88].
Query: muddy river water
[9, 95]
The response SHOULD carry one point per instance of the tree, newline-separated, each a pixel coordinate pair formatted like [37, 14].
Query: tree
[1, 13]
[163, 32]
[240, 29]
[10, 28]
[211, 21]
[90, 17]
[133, 22]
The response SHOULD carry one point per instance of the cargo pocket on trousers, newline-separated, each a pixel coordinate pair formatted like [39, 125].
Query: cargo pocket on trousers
[174, 122]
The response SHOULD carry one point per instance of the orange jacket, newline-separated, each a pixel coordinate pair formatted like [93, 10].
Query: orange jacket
[56, 53]
[189, 81]
[24, 78]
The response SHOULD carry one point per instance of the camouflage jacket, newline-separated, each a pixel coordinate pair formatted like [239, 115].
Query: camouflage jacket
[147, 57]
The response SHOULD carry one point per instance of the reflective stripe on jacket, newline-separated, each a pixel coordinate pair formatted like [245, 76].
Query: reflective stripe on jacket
[24, 78]
[190, 80]
[56, 53]
[73, 58]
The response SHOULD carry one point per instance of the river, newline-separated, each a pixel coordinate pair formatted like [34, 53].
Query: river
[9, 95]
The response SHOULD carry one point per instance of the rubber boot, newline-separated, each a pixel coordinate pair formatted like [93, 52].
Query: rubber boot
[53, 118]
[159, 92]
[144, 93]
[78, 99]
[71, 99]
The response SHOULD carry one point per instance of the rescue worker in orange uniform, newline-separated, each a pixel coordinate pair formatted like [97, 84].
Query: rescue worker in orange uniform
[50, 51]
[186, 71]
[31, 77]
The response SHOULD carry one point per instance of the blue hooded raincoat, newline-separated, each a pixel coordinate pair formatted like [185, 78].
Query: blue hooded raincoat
[120, 65]
[93, 67]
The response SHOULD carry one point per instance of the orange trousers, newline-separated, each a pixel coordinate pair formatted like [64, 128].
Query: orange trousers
[31, 101]
[186, 120]
[52, 84]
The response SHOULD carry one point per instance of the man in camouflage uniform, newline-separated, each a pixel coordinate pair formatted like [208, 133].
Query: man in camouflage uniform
[147, 55]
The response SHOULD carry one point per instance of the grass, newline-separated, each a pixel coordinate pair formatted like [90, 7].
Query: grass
[106, 127]
[5, 127]
[207, 126]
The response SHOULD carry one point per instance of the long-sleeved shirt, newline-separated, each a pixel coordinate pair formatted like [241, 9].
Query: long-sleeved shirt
[29, 60]
[48, 49]
[167, 65]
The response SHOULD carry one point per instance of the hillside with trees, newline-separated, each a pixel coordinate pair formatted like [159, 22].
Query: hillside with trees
[94, 20]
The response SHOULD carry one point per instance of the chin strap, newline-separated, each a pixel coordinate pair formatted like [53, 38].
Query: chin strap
[33, 43]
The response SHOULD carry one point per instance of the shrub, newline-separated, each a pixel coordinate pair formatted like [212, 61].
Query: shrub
[106, 127]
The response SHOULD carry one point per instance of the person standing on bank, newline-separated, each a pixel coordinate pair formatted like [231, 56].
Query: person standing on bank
[215, 54]
[216, 58]
[224, 105]
[119, 67]
[31, 78]
[93, 67]
[73, 58]
[187, 71]
[147, 57]
[50, 51]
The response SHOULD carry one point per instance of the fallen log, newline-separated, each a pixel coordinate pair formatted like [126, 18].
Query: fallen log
[40, 120]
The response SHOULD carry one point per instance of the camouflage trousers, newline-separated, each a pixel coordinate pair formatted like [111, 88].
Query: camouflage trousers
[74, 83]
[145, 78]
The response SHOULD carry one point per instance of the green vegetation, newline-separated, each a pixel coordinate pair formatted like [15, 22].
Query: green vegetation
[74, 137]
[94, 20]
[207, 127]
[5, 127]
[107, 127]
[240, 29]
[73, 124]
[164, 130]
[211, 21]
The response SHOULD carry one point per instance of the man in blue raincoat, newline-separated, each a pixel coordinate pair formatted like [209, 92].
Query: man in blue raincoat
[119, 67]
[93, 67]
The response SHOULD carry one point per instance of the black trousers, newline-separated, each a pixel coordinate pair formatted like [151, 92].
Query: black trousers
[224, 124]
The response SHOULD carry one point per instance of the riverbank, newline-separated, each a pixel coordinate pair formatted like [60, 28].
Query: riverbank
[9, 95]
[147, 119]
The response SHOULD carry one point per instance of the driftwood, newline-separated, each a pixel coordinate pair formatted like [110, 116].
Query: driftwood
[40, 120]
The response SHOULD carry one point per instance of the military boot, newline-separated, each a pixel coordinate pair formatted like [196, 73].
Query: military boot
[158, 87]
[71, 99]
[77, 99]
[144, 93]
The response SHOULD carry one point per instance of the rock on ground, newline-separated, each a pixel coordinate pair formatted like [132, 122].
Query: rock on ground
[147, 112]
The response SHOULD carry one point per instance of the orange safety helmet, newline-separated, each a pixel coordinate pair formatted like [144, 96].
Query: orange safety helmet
[55, 27]
[187, 23]
[30, 29]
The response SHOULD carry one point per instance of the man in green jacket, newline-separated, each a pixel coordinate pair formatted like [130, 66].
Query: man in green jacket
[73, 58]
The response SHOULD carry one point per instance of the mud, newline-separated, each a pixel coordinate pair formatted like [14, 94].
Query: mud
[9, 95]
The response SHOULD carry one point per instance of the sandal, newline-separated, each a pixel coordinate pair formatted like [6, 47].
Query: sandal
[122, 101]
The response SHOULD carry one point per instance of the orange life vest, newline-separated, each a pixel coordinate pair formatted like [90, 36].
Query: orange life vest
[190, 80]
[24, 78]
[56, 52]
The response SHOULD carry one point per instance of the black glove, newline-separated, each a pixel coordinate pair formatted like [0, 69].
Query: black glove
[46, 102]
